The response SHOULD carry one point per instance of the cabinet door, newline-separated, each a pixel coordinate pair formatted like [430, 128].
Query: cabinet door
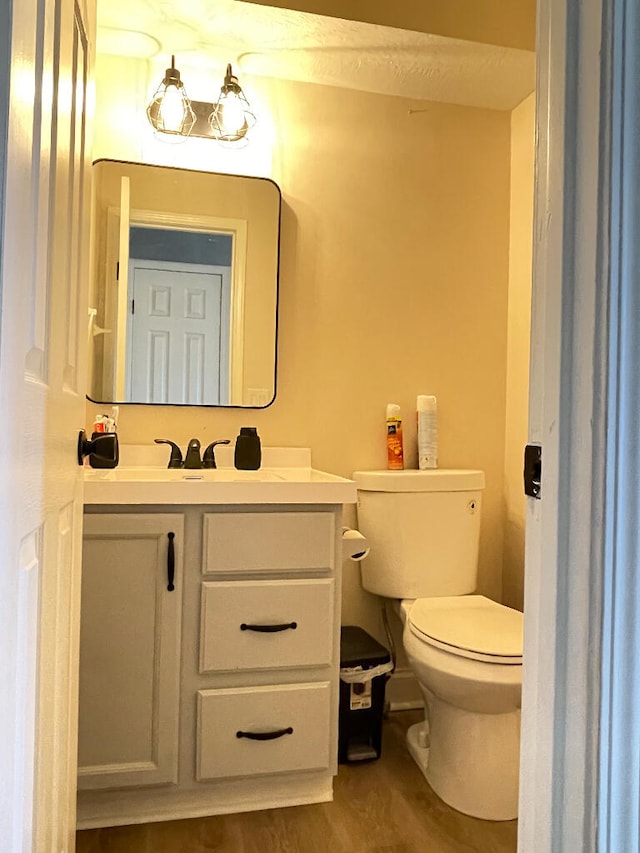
[129, 651]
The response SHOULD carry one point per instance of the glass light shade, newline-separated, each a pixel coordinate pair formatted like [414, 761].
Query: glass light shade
[170, 110]
[231, 117]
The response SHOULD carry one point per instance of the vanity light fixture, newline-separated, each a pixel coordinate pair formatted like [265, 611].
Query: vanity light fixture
[170, 110]
[227, 121]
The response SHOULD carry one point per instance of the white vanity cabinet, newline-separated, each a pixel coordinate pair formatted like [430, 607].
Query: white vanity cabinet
[286, 622]
[257, 684]
[129, 694]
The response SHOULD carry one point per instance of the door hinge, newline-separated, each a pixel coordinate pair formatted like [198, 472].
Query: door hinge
[533, 471]
[117, 270]
[133, 306]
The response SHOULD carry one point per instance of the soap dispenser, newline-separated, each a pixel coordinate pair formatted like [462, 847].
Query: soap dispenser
[248, 452]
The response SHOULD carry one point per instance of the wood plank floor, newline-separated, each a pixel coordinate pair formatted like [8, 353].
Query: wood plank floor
[384, 806]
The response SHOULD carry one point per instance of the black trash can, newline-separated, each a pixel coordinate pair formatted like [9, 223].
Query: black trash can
[361, 702]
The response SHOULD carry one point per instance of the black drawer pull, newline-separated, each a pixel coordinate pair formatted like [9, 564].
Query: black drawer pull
[171, 563]
[269, 629]
[265, 735]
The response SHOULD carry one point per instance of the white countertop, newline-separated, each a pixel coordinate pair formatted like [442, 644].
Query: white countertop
[283, 484]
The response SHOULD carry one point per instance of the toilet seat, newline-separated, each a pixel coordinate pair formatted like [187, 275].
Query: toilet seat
[469, 626]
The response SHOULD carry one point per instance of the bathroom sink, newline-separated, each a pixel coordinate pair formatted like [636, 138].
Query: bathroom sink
[131, 484]
[169, 475]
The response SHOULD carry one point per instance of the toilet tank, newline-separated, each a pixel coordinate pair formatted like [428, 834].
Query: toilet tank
[424, 531]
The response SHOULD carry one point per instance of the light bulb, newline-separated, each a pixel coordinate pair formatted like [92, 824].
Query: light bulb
[232, 117]
[171, 111]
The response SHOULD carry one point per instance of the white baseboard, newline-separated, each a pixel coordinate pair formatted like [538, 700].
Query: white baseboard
[402, 692]
[231, 796]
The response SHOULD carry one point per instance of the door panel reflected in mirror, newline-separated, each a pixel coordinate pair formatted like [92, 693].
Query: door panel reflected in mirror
[185, 287]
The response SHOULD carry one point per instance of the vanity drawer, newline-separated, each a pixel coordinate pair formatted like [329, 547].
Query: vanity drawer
[268, 542]
[298, 612]
[292, 719]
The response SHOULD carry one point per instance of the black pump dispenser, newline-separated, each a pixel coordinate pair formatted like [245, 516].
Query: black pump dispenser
[248, 452]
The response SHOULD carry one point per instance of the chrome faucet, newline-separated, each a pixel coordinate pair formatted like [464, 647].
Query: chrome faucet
[192, 458]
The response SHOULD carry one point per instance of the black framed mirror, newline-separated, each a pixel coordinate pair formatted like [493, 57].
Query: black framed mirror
[184, 297]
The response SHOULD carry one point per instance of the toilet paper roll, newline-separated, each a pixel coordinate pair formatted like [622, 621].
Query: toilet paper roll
[355, 546]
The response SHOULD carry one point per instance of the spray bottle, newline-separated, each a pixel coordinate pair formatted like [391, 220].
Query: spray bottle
[395, 451]
[427, 414]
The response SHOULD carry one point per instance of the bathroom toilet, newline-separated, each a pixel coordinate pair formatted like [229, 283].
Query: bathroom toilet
[464, 649]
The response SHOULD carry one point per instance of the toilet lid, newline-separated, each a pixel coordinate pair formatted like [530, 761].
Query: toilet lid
[471, 626]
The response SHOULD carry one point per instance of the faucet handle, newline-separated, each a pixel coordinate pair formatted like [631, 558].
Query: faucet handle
[175, 460]
[209, 456]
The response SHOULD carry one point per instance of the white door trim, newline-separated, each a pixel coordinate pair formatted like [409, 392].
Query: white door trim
[565, 530]
[619, 783]
[122, 291]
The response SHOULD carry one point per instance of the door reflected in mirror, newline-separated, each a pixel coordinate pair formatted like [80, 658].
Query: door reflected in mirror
[185, 287]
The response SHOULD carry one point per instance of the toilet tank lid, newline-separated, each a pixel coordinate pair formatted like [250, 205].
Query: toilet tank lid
[433, 480]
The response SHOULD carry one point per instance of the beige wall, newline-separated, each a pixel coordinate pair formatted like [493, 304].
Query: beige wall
[519, 318]
[394, 282]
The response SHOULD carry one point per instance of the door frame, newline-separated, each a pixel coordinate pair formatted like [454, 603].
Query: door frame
[580, 535]
[544, 825]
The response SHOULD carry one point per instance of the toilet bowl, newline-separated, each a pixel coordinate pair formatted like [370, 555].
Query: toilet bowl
[465, 650]
[466, 653]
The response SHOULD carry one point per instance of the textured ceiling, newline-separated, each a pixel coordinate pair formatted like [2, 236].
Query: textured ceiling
[272, 42]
